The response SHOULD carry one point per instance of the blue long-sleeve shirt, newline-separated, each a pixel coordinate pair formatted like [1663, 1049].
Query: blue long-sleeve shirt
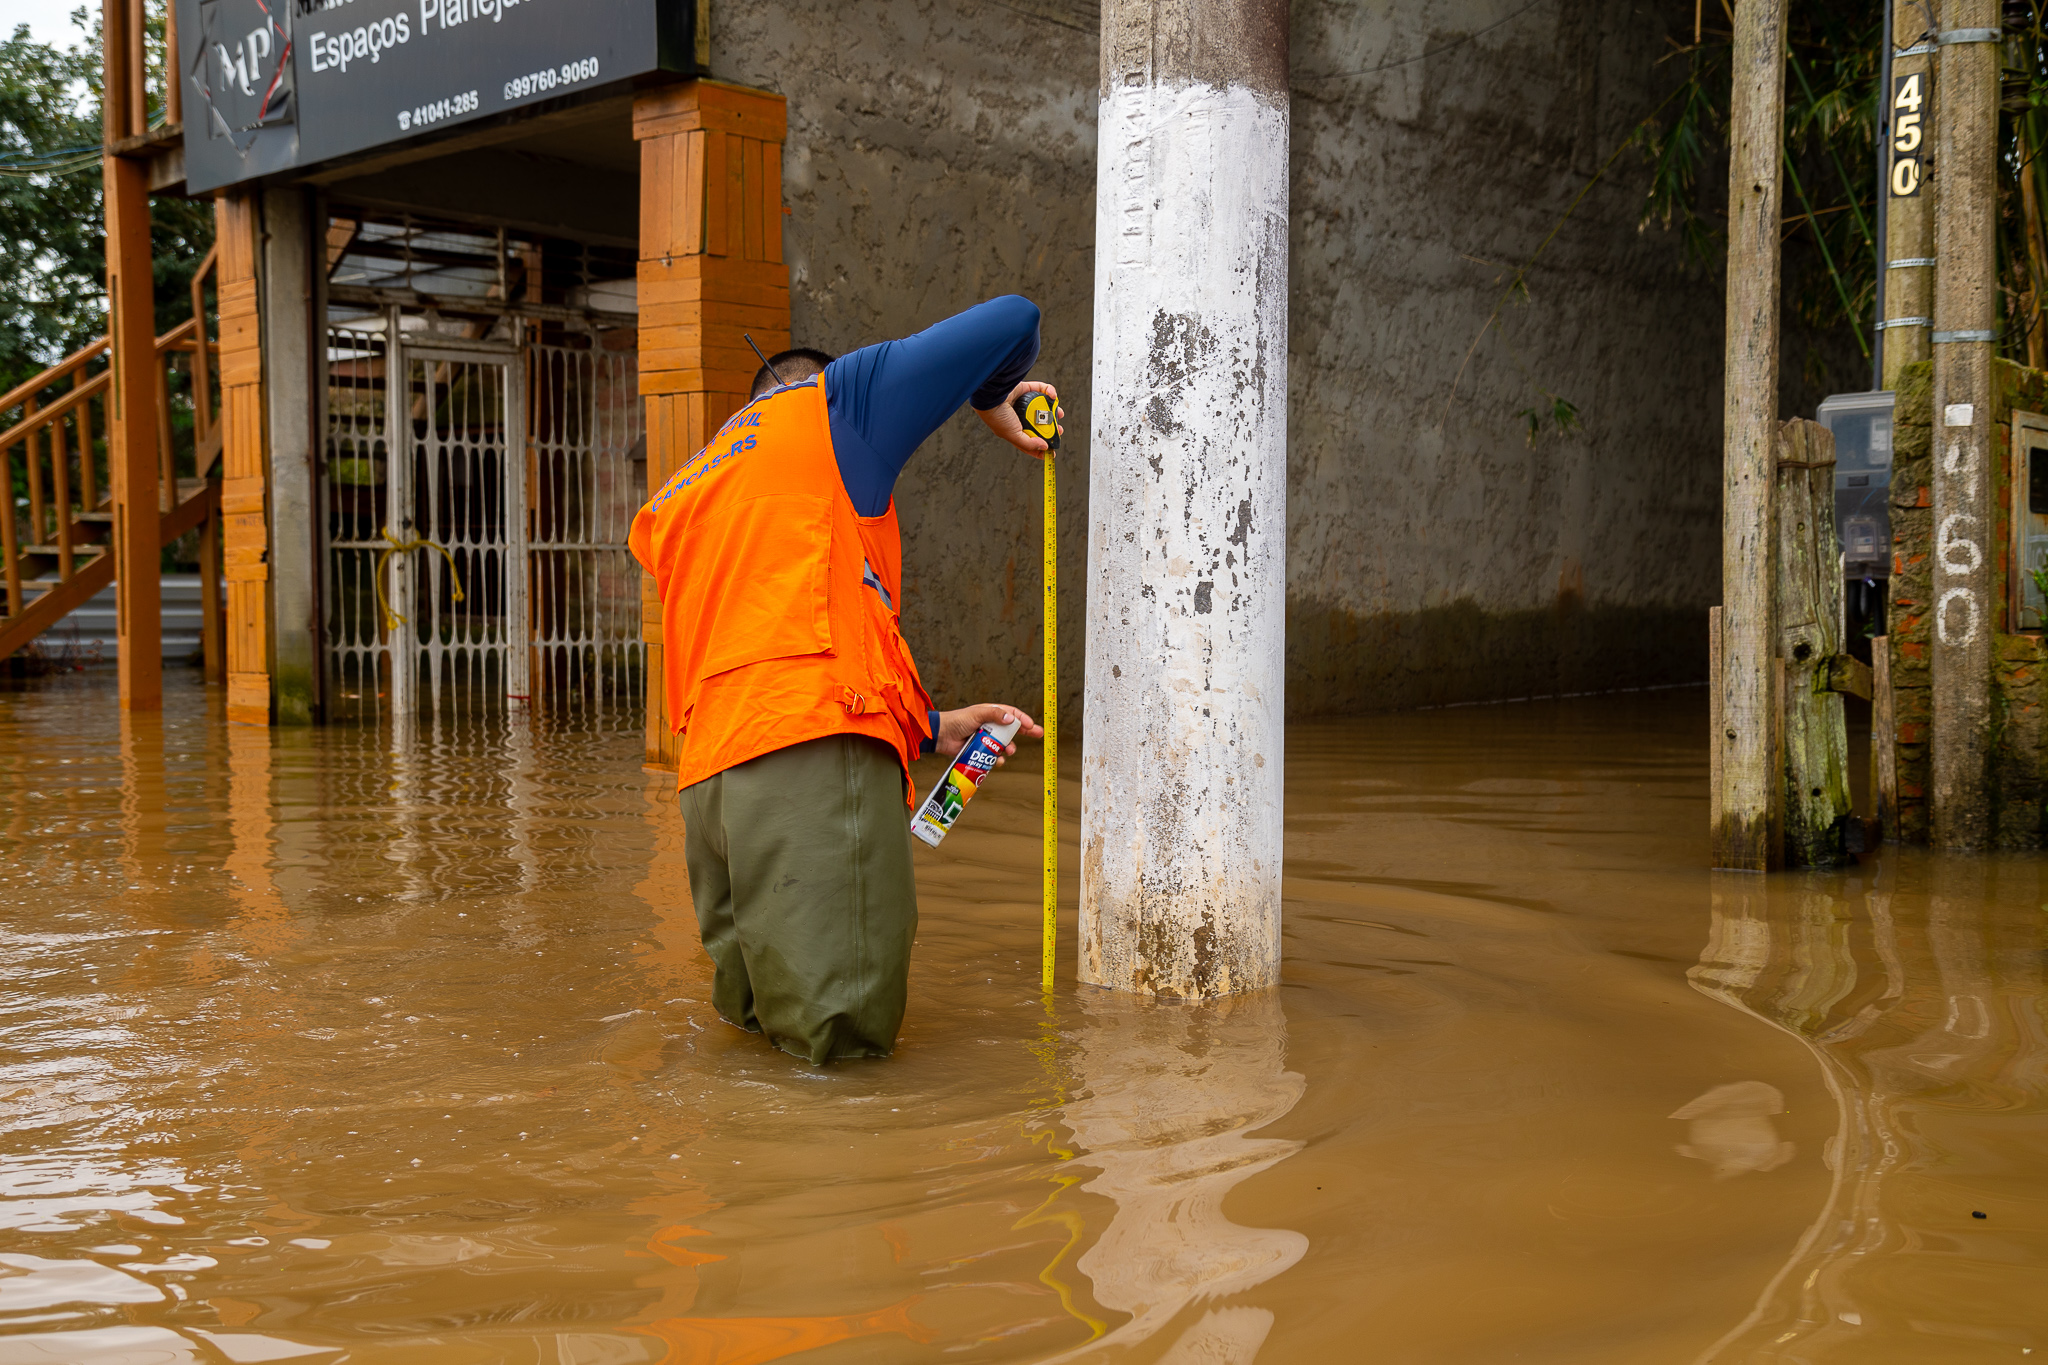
[884, 400]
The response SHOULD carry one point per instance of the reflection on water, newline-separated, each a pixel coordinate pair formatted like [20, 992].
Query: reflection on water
[396, 1047]
[1173, 1095]
[1732, 1129]
[1921, 1005]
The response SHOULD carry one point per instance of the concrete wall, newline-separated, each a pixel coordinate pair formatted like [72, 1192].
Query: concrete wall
[941, 151]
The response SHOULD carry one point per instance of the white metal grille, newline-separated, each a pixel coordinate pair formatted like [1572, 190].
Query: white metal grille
[459, 584]
[586, 427]
[356, 497]
[520, 464]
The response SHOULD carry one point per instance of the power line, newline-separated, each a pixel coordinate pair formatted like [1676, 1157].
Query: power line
[63, 161]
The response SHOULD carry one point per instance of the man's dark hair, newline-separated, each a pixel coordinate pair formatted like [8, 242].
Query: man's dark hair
[801, 363]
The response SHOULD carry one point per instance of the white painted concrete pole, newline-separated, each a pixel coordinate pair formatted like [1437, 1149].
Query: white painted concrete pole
[1182, 760]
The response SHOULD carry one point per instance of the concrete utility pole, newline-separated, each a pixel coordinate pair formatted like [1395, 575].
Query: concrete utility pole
[1748, 794]
[1908, 265]
[132, 457]
[1181, 768]
[286, 280]
[1966, 252]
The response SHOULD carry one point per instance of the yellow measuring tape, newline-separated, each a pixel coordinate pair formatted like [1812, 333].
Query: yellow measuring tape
[392, 620]
[1051, 710]
[1040, 416]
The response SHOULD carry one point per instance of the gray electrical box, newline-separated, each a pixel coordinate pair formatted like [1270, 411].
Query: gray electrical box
[1862, 427]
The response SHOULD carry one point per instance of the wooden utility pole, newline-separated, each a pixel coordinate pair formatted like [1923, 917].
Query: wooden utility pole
[132, 457]
[1965, 318]
[1748, 798]
[1909, 190]
[1181, 765]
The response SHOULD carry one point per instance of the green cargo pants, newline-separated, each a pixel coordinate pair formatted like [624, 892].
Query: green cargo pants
[800, 872]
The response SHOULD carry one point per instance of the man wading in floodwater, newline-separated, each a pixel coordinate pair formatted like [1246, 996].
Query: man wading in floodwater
[780, 569]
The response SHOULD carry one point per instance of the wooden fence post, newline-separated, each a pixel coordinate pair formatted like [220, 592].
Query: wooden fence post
[1809, 607]
[1747, 817]
[1884, 740]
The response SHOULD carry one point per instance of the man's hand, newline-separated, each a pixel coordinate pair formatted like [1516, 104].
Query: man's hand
[1002, 419]
[957, 727]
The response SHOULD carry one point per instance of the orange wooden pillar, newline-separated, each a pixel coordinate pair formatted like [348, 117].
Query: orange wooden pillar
[245, 530]
[711, 273]
[132, 453]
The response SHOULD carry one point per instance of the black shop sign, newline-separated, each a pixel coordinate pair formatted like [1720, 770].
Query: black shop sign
[276, 85]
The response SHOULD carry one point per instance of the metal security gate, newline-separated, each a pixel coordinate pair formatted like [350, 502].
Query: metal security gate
[355, 508]
[456, 575]
[586, 426]
[481, 466]
[477, 499]
[426, 553]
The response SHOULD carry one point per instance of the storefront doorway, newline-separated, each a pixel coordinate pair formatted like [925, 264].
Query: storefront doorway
[480, 474]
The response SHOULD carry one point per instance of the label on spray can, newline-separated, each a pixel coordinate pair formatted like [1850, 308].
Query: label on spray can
[956, 786]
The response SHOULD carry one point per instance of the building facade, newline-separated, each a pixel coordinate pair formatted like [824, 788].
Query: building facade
[453, 361]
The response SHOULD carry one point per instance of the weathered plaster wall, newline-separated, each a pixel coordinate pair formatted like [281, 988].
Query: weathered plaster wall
[941, 151]
[1438, 553]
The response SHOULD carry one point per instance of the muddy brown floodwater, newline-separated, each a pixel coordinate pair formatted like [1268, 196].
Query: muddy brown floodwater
[312, 1051]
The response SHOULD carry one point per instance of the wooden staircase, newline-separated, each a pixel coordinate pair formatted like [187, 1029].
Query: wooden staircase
[55, 433]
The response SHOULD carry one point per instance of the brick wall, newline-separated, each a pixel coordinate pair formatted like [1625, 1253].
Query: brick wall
[2016, 787]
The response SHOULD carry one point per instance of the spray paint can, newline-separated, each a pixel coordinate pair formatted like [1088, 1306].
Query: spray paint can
[956, 786]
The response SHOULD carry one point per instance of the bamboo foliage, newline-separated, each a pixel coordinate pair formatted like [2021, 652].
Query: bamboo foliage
[1834, 68]
[1832, 73]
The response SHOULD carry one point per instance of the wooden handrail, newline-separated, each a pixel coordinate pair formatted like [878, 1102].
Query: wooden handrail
[8, 549]
[35, 483]
[42, 417]
[181, 333]
[189, 337]
[15, 396]
[178, 338]
[202, 371]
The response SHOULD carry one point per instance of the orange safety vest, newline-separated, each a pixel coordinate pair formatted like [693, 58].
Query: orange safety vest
[780, 606]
